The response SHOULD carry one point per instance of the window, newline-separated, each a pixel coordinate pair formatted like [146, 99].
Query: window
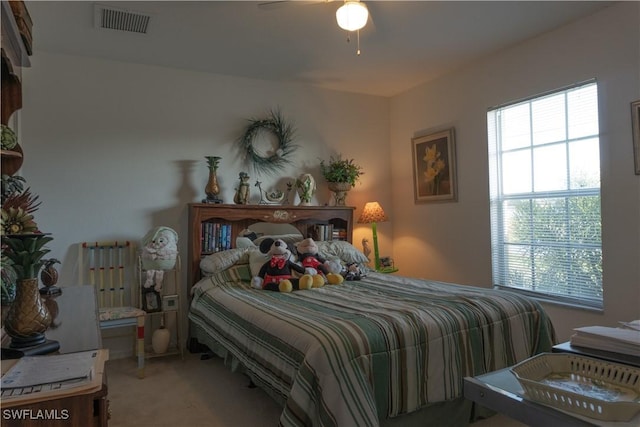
[544, 167]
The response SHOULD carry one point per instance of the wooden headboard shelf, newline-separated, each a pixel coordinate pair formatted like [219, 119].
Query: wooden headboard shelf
[240, 217]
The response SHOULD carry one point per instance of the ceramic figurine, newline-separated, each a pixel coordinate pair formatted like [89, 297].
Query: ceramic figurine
[242, 192]
[306, 189]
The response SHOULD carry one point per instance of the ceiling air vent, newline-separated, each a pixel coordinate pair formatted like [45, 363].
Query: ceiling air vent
[112, 18]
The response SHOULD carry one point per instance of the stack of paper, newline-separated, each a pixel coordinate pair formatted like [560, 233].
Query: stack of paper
[616, 340]
[36, 370]
[38, 378]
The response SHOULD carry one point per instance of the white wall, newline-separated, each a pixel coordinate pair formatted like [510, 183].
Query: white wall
[115, 149]
[451, 241]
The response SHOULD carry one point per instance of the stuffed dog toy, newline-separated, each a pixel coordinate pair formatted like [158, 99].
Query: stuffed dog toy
[352, 272]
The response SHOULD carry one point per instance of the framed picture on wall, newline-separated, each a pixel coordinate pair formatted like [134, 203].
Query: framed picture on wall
[635, 123]
[434, 167]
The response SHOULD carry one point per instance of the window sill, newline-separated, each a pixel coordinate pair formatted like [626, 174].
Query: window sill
[556, 301]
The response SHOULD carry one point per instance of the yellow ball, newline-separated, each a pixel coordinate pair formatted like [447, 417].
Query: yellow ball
[285, 286]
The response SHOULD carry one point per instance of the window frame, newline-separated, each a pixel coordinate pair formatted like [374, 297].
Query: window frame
[499, 243]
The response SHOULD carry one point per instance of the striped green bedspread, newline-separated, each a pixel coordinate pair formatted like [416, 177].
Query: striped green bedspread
[352, 354]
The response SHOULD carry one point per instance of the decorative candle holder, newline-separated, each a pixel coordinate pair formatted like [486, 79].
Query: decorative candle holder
[212, 188]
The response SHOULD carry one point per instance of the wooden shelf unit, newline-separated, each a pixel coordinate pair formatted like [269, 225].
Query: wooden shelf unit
[240, 217]
[16, 49]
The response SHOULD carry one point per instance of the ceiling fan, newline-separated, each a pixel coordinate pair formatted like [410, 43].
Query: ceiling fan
[351, 16]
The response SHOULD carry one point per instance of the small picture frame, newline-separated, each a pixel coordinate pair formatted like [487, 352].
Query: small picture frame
[434, 167]
[170, 303]
[151, 301]
[386, 262]
[635, 124]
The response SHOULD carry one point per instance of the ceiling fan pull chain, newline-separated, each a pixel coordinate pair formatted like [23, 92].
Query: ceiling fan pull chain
[357, 40]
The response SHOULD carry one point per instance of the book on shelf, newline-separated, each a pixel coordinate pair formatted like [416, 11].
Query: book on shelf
[615, 340]
[339, 234]
[228, 241]
[215, 237]
[205, 233]
[222, 238]
[323, 232]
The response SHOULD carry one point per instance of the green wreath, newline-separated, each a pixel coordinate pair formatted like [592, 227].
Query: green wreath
[271, 162]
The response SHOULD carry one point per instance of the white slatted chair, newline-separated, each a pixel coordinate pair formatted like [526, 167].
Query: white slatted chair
[110, 268]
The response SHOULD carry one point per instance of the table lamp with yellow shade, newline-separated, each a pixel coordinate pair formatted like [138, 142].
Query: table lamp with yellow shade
[372, 214]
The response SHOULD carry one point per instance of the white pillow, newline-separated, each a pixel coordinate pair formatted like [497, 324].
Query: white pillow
[343, 250]
[244, 242]
[287, 238]
[222, 260]
[256, 260]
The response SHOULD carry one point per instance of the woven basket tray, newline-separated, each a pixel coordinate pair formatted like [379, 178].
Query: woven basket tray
[586, 386]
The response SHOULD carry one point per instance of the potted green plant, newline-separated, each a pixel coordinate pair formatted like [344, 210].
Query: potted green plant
[342, 175]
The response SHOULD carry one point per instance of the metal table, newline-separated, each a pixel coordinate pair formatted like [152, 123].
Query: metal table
[500, 391]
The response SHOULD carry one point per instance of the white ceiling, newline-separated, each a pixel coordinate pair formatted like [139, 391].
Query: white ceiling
[404, 44]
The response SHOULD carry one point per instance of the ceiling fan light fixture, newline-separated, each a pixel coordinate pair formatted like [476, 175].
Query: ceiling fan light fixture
[352, 15]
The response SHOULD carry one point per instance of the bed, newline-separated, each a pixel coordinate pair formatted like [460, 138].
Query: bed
[371, 352]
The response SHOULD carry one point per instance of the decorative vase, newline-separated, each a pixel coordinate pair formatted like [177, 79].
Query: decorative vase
[306, 189]
[28, 317]
[212, 189]
[160, 340]
[340, 190]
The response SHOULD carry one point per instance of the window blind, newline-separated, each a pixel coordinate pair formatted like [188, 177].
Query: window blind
[544, 166]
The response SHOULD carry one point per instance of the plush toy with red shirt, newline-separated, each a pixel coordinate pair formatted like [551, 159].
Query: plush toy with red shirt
[316, 265]
[277, 273]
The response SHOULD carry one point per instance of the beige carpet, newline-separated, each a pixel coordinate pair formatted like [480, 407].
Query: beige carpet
[180, 393]
[196, 393]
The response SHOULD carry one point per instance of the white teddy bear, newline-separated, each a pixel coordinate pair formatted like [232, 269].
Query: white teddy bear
[159, 253]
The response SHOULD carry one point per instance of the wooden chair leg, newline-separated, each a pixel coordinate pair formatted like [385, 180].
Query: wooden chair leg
[140, 346]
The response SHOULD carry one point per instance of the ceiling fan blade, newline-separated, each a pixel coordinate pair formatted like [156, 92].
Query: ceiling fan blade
[277, 4]
[267, 5]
